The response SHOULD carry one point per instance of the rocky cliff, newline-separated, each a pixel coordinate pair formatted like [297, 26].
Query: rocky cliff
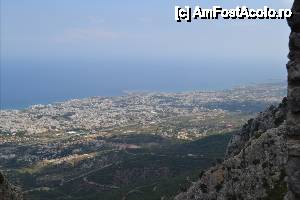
[7, 191]
[254, 167]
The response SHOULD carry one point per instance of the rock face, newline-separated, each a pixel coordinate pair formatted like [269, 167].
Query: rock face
[293, 117]
[7, 191]
[254, 167]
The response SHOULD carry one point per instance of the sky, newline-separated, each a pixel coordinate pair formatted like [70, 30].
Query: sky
[135, 30]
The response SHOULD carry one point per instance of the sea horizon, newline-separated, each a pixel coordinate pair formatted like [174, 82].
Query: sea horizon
[127, 92]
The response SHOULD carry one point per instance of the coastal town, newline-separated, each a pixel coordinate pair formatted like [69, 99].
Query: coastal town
[138, 110]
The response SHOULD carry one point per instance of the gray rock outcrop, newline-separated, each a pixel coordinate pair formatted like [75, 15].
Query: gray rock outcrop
[7, 191]
[254, 167]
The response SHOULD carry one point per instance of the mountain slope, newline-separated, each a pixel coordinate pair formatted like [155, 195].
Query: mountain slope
[254, 166]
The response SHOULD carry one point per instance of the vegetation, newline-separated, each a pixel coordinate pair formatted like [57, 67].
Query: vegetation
[144, 173]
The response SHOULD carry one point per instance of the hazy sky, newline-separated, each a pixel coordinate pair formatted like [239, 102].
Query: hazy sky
[135, 30]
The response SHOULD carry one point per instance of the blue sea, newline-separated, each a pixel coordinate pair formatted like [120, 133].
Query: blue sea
[24, 83]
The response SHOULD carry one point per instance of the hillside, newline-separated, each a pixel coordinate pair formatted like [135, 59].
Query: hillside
[254, 165]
